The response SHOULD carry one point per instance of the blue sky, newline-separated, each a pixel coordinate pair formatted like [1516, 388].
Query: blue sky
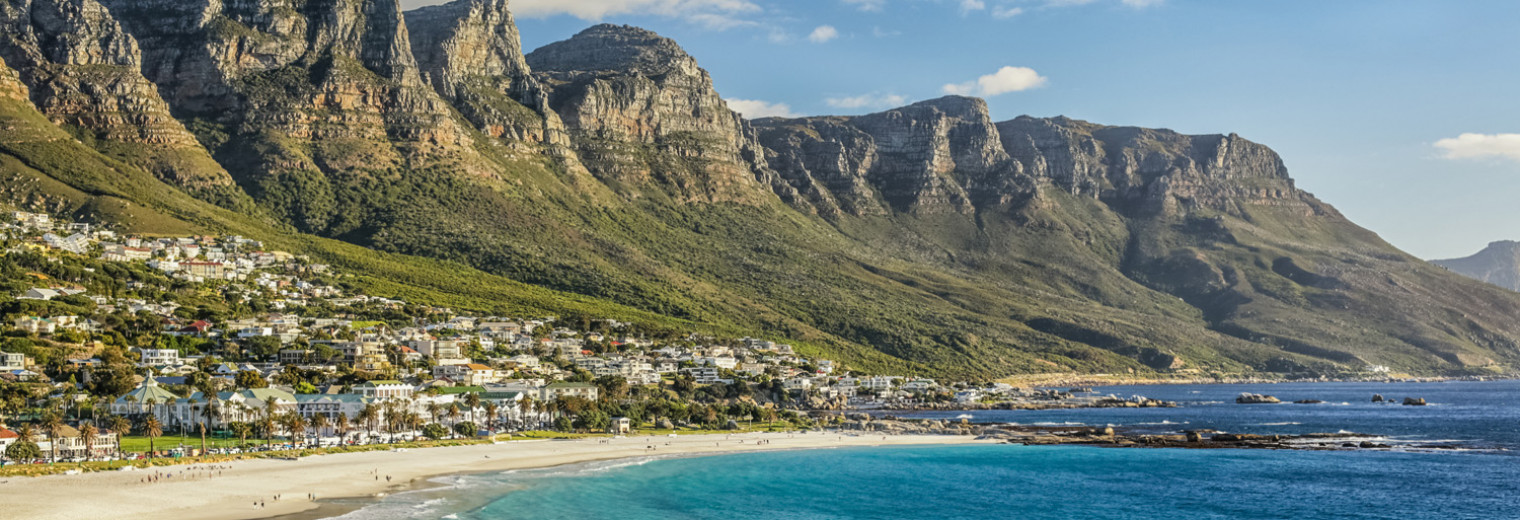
[1367, 101]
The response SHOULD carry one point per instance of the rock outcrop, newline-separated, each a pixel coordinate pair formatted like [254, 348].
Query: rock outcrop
[642, 114]
[937, 156]
[302, 99]
[83, 71]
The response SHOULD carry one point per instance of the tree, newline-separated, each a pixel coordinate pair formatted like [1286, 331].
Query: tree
[152, 429]
[268, 421]
[564, 424]
[435, 431]
[594, 420]
[242, 430]
[23, 450]
[87, 434]
[368, 416]
[296, 425]
[263, 346]
[466, 429]
[118, 425]
[319, 423]
[250, 379]
[491, 414]
[342, 426]
[52, 423]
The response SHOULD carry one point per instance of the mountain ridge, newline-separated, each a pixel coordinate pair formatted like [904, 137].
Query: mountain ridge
[928, 237]
[1497, 264]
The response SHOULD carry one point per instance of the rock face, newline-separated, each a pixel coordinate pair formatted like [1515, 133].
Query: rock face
[304, 99]
[1498, 264]
[83, 71]
[642, 113]
[938, 156]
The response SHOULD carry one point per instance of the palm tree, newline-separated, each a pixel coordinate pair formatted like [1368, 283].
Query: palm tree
[27, 433]
[473, 400]
[453, 415]
[434, 410]
[341, 426]
[208, 415]
[152, 429]
[118, 425]
[53, 424]
[268, 422]
[242, 430]
[528, 406]
[491, 410]
[193, 409]
[296, 425]
[87, 433]
[368, 415]
[319, 422]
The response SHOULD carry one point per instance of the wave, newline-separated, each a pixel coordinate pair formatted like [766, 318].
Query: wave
[1289, 423]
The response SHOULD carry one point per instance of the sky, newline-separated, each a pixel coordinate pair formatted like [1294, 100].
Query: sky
[1405, 115]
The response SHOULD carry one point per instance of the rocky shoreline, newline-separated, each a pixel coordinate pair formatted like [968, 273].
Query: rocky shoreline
[1111, 437]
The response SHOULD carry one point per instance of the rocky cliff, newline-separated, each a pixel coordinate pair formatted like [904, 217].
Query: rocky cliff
[84, 73]
[643, 114]
[1498, 264]
[303, 100]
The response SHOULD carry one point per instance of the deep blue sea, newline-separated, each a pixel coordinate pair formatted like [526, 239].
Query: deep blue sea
[1062, 482]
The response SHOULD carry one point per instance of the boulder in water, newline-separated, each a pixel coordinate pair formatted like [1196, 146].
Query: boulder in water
[1256, 399]
[1414, 401]
[1377, 398]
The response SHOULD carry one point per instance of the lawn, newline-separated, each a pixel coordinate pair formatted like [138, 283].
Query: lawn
[139, 444]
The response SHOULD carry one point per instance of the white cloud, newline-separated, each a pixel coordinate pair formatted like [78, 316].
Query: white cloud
[1481, 146]
[823, 33]
[715, 14]
[867, 101]
[1005, 80]
[1004, 12]
[883, 33]
[756, 109]
[967, 6]
[1142, 4]
[866, 5]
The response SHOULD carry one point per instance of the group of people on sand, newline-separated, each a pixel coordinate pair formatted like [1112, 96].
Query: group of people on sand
[260, 504]
[191, 472]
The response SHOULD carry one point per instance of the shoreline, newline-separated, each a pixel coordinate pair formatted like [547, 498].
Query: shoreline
[347, 481]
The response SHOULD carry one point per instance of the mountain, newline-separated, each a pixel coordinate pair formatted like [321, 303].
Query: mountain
[604, 174]
[1498, 264]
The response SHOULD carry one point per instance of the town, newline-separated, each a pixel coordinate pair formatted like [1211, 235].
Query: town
[109, 337]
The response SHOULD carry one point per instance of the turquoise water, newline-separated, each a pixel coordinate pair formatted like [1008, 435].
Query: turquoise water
[997, 481]
[1060, 482]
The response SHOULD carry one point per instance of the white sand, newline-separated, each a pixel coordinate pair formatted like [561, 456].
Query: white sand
[119, 495]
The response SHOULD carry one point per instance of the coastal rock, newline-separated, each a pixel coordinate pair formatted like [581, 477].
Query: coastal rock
[1256, 399]
[1414, 401]
[1377, 398]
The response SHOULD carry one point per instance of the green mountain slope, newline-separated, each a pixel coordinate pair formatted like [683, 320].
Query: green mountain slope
[605, 175]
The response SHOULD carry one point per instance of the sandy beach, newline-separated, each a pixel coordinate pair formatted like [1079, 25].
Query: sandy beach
[232, 493]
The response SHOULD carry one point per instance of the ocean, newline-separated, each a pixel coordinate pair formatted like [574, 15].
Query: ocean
[1062, 482]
